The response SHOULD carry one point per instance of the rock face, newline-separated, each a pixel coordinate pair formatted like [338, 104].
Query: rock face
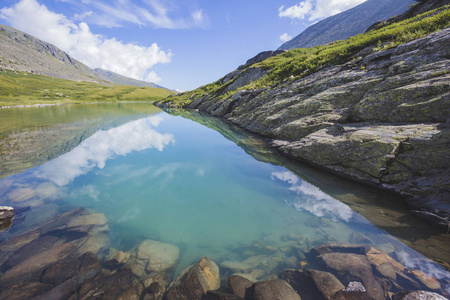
[381, 118]
[195, 281]
[23, 52]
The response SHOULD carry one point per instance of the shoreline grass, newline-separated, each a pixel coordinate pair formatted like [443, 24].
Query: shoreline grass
[19, 89]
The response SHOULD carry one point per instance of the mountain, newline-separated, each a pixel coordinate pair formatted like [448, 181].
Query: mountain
[123, 80]
[347, 23]
[373, 108]
[22, 52]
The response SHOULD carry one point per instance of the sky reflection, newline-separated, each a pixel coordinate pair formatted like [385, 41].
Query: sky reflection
[96, 150]
[312, 199]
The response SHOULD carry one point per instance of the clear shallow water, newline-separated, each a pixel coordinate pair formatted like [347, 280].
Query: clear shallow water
[170, 179]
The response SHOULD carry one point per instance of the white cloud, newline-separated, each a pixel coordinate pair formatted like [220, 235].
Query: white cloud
[296, 11]
[102, 146]
[78, 41]
[317, 9]
[285, 37]
[152, 77]
[312, 199]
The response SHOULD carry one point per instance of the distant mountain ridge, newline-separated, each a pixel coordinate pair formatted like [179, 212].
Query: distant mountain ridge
[123, 80]
[347, 23]
[23, 52]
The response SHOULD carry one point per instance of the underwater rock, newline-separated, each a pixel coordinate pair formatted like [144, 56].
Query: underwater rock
[95, 243]
[116, 258]
[155, 286]
[61, 271]
[312, 284]
[275, 289]
[238, 285]
[359, 238]
[25, 291]
[119, 285]
[32, 268]
[236, 266]
[46, 190]
[152, 256]
[384, 264]
[21, 194]
[195, 281]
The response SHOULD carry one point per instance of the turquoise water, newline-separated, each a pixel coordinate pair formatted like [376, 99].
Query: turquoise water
[167, 178]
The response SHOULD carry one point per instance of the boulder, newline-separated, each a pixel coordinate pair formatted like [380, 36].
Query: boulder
[238, 285]
[195, 281]
[275, 289]
[348, 267]
[312, 284]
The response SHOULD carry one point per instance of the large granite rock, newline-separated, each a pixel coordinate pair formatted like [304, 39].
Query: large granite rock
[195, 281]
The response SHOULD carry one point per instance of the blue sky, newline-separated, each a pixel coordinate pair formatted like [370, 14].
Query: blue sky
[178, 44]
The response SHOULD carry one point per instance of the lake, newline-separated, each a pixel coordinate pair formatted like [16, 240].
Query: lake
[198, 183]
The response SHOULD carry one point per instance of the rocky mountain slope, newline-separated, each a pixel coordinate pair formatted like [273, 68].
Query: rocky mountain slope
[22, 52]
[347, 23]
[25, 53]
[377, 112]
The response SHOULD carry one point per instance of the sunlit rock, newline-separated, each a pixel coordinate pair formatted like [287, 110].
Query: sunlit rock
[195, 281]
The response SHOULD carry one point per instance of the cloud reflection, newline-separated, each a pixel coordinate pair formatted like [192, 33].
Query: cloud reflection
[103, 145]
[312, 199]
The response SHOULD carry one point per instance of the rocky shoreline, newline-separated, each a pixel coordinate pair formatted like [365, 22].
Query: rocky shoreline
[379, 119]
[69, 257]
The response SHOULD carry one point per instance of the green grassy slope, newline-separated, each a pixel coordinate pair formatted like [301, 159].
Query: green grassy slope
[298, 63]
[20, 88]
